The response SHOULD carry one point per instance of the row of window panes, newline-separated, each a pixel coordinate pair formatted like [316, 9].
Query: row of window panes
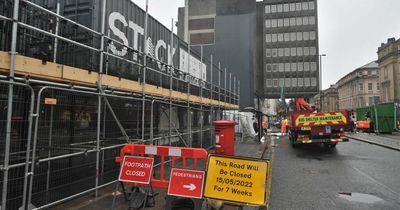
[287, 52]
[292, 82]
[289, 7]
[291, 67]
[290, 37]
[286, 22]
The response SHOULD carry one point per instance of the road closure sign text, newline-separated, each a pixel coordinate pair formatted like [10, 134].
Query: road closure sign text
[136, 169]
[186, 183]
[238, 180]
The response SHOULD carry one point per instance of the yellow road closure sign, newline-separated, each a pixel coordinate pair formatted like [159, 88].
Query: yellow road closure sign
[237, 180]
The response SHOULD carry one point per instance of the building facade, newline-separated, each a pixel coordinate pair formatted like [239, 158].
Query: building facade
[359, 88]
[290, 49]
[225, 30]
[389, 70]
[330, 99]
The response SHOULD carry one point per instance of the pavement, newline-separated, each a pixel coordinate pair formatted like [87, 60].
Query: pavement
[390, 141]
[354, 175]
[110, 198]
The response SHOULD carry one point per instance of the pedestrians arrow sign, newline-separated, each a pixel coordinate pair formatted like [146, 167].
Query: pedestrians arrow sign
[186, 183]
[191, 187]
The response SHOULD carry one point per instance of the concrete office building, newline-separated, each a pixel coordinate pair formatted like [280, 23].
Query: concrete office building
[389, 70]
[226, 30]
[290, 49]
[359, 88]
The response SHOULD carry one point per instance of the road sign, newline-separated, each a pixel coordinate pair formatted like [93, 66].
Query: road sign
[237, 180]
[136, 169]
[186, 183]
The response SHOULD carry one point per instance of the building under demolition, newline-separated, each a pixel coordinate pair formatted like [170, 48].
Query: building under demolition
[80, 79]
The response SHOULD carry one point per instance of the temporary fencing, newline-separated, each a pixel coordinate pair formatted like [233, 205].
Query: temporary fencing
[62, 143]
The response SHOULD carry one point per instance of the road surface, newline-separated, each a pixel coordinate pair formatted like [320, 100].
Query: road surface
[355, 175]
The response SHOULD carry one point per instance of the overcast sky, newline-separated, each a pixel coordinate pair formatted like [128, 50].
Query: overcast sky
[350, 31]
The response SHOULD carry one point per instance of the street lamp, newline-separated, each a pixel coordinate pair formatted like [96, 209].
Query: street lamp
[320, 80]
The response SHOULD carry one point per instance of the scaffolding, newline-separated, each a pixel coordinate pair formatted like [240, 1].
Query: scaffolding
[64, 120]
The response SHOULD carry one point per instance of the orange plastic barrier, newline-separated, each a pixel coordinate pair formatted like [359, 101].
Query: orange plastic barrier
[164, 152]
[363, 124]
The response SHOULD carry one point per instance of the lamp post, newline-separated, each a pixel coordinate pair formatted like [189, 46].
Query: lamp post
[320, 80]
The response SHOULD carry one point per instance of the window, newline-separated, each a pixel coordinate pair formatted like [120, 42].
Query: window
[369, 72]
[274, 23]
[287, 52]
[280, 22]
[268, 9]
[294, 82]
[274, 37]
[269, 83]
[275, 83]
[280, 52]
[307, 82]
[300, 66]
[313, 51]
[274, 52]
[306, 66]
[370, 86]
[312, 35]
[311, 5]
[286, 7]
[280, 8]
[292, 7]
[313, 82]
[293, 66]
[281, 82]
[306, 35]
[385, 73]
[360, 86]
[305, 20]
[377, 86]
[300, 82]
[299, 36]
[268, 23]
[281, 67]
[313, 66]
[268, 53]
[292, 21]
[286, 22]
[293, 51]
[268, 38]
[280, 37]
[269, 67]
[298, 6]
[287, 82]
[299, 21]
[299, 51]
[273, 8]
[311, 20]
[306, 51]
[292, 36]
[287, 67]
[305, 5]
[286, 37]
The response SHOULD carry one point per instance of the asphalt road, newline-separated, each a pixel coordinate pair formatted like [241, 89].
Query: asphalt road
[355, 175]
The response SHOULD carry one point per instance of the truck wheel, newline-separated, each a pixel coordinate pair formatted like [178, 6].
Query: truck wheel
[294, 145]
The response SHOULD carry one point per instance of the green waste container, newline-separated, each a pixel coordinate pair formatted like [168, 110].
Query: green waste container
[383, 116]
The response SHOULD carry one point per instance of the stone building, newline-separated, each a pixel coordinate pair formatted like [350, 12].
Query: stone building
[330, 99]
[359, 88]
[389, 70]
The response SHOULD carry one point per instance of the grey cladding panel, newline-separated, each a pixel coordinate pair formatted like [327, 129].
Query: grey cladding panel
[199, 24]
[235, 7]
[202, 39]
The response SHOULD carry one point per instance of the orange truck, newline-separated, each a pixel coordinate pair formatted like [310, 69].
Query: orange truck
[311, 127]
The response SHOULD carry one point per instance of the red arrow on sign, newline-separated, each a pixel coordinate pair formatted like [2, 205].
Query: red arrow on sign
[186, 183]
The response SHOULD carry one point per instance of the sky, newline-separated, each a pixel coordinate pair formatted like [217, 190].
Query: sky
[350, 31]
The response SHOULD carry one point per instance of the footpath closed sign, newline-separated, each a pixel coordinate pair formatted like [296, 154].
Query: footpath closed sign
[136, 169]
[186, 183]
[237, 180]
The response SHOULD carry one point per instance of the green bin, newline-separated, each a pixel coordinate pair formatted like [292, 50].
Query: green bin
[383, 116]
